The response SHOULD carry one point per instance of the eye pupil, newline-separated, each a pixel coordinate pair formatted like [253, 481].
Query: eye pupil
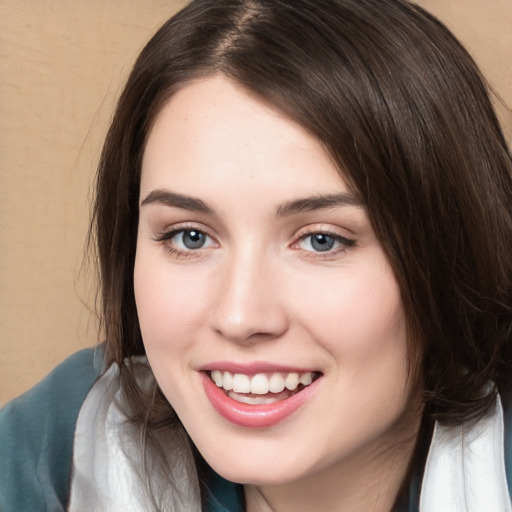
[321, 242]
[193, 239]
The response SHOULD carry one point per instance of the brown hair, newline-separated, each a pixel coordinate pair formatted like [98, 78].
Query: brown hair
[404, 113]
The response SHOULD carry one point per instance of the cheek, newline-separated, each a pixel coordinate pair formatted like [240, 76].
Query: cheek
[170, 315]
[169, 304]
[360, 323]
[362, 326]
[358, 316]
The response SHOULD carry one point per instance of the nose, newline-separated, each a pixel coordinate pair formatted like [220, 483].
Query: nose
[249, 306]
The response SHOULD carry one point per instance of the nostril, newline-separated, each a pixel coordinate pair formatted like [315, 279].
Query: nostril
[251, 327]
[247, 306]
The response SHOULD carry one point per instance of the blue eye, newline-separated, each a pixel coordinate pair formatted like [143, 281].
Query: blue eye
[321, 242]
[183, 241]
[191, 238]
[324, 242]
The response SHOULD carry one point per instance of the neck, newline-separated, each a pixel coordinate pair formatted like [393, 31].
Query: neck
[369, 480]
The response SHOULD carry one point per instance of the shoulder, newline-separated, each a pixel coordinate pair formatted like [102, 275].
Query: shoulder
[36, 435]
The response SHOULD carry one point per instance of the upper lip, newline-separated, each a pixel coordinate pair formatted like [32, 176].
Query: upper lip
[253, 368]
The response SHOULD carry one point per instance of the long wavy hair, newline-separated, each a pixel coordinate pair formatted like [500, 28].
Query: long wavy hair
[405, 115]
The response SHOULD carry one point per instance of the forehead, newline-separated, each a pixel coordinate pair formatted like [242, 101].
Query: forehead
[214, 132]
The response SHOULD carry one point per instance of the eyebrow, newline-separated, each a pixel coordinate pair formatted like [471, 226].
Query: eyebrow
[168, 198]
[288, 208]
[319, 202]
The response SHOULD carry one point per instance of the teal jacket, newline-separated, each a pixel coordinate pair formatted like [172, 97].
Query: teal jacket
[36, 443]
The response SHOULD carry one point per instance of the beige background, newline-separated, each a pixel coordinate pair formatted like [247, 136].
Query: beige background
[62, 65]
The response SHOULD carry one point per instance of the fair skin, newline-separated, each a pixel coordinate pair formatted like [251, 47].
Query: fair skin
[238, 270]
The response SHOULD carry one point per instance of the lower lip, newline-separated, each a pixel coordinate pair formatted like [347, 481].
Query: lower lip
[255, 416]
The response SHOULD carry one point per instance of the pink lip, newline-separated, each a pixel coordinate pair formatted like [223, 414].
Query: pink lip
[255, 416]
[251, 368]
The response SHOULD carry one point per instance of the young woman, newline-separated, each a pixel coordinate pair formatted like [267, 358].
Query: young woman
[304, 226]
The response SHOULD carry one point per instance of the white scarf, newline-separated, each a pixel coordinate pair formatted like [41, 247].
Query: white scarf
[108, 467]
[464, 472]
[465, 469]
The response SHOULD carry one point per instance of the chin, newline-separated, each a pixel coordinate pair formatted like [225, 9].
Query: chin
[259, 473]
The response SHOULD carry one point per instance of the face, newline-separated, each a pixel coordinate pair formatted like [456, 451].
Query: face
[270, 315]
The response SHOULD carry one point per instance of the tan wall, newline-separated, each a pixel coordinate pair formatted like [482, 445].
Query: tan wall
[62, 63]
[485, 27]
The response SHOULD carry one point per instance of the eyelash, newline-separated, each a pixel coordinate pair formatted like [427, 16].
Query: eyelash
[344, 244]
[166, 236]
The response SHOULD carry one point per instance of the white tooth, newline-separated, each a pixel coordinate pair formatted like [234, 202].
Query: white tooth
[227, 381]
[217, 377]
[276, 383]
[241, 383]
[253, 400]
[259, 384]
[305, 379]
[291, 381]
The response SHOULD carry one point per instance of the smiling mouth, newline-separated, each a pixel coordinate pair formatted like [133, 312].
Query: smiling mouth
[262, 388]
